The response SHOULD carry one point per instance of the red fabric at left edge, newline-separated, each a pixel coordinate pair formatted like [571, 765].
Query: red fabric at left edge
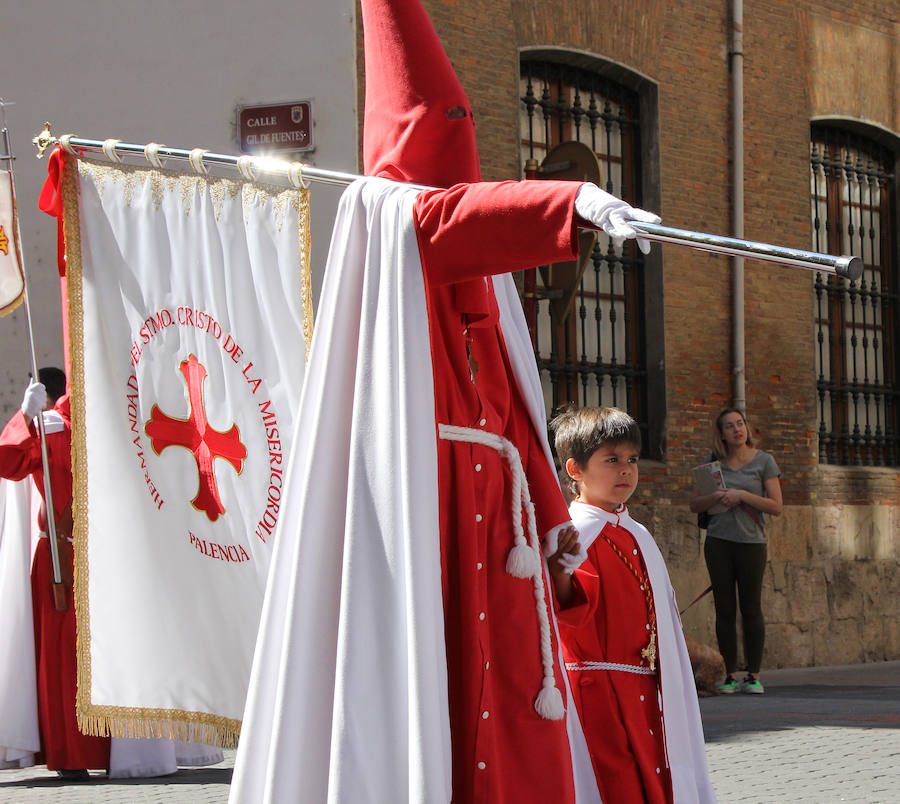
[51, 202]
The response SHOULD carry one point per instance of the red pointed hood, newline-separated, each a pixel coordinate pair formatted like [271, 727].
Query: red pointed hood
[418, 123]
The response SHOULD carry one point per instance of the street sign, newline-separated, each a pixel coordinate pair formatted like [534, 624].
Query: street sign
[276, 127]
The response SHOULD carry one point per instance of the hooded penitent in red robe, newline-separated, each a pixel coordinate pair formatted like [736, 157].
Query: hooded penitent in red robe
[419, 128]
[407, 647]
[63, 745]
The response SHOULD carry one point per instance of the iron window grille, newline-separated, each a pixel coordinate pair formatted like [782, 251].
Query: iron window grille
[595, 356]
[852, 191]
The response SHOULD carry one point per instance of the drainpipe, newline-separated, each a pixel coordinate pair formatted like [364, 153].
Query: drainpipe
[737, 264]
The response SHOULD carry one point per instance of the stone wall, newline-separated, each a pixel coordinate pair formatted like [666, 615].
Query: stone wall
[830, 589]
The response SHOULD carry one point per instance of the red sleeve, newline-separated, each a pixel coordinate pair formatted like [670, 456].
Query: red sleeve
[19, 449]
[581, 613]
[543, 484]
[475, 230]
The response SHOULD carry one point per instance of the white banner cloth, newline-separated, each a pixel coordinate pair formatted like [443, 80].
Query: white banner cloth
[19, 736]
[12, 281]
[188, 303]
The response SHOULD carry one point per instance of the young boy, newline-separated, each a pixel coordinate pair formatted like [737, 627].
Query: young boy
[619, 626]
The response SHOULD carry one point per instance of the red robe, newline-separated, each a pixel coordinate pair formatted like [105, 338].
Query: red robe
[502, 749]
[63, 746]
[620, 711]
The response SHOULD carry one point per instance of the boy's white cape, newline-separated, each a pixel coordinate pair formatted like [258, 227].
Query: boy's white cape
[685, 747]
[348, 692]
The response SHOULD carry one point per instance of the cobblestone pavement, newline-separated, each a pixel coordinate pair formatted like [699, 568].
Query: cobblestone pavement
[823, 735]
[820, 735]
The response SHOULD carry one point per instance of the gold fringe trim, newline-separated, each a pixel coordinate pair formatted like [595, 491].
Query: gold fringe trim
[189, 185]
[72, 239]
[166, 724]
[304, 238]
[101, 721]
[14, 305]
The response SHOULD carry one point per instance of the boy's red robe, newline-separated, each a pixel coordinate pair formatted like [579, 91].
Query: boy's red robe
[643, 730]
[64, 746]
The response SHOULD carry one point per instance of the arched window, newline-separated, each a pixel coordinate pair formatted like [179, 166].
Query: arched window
[590, 336]
[852, 188]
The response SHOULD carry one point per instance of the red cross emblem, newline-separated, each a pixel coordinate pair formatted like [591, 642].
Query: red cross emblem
[196, 434]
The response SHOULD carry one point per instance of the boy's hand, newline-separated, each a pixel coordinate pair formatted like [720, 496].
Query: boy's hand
[566, 544]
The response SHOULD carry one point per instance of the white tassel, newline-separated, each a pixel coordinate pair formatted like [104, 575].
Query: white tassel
[521, 562]
[524, 560]
[549, 702]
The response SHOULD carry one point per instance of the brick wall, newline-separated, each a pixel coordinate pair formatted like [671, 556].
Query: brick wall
[830, 573]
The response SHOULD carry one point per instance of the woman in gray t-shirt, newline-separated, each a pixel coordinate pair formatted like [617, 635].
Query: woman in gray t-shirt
[735, 548]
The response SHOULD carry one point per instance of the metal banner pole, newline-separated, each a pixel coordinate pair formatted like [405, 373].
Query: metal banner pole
[845, 266]
[58, 588]
[849, 267]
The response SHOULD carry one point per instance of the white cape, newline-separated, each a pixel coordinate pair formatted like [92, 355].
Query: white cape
[348, 692]
[142, 757]
[683, 729]
[19, 729]
[19, 735]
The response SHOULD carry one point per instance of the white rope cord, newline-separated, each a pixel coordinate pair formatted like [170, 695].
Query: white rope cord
[109, 150]
[151, 154]
[67, 146]
[245, 166]
[43, 535]
[296, 177]
[196, 160]
[525, 560]
[622, 668]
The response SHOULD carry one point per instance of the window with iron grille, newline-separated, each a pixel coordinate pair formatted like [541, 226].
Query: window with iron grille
[852, 189]
[590, 338]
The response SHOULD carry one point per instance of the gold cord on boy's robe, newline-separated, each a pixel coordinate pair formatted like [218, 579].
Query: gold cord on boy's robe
[648, 653]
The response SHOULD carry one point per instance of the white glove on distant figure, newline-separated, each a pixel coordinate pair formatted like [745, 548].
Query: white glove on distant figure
[34, 400]
[612, 215]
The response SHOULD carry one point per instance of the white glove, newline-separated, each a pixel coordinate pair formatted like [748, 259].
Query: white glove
[612, 215]
[34, 400]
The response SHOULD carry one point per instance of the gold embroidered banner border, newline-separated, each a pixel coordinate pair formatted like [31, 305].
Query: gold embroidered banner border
[119, 721]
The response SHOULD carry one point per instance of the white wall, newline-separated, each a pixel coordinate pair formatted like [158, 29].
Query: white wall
[169, 71]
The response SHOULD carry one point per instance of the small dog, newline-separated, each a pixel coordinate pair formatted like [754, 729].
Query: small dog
[708, 667]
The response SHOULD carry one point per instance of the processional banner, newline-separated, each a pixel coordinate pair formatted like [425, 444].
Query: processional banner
[189, 317]
[12, 280]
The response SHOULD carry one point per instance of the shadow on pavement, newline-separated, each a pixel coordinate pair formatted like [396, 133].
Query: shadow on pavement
[782, 708]
[184, 776]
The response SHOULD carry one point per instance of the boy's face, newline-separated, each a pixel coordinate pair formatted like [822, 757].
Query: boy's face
[610, 476]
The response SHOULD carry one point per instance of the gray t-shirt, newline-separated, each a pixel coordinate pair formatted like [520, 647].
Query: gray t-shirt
[745, 523]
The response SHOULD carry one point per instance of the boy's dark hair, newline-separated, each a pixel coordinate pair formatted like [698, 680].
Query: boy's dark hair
[579, 432]
[54, 380]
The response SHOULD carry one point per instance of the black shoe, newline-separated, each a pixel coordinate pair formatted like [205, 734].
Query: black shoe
[80, 775]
